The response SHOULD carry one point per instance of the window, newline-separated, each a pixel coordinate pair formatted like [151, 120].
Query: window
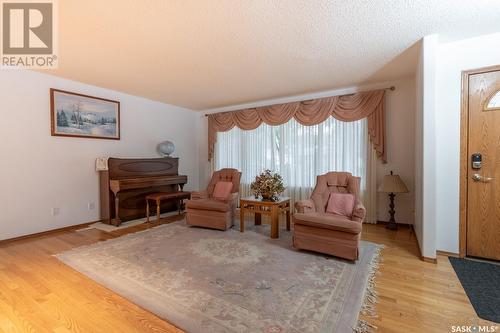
[493, 103]
[299, 153]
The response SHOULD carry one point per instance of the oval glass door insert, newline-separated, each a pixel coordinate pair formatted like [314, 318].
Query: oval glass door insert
[493, 103]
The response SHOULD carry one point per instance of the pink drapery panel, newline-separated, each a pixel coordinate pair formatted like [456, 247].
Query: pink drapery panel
[312, 112]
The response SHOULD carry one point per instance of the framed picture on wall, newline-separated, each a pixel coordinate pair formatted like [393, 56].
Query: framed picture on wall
[78, 115]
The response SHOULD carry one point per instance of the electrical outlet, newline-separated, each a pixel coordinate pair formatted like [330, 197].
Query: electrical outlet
[91, 206]
[55, 211]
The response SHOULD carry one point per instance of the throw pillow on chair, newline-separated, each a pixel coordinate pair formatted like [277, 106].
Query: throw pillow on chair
[341, 204]
[222, 190]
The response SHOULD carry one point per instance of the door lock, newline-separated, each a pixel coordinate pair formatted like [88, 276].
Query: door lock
[478, 178]
[477, 161]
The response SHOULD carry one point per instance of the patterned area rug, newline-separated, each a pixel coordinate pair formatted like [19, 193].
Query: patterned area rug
[213, 281]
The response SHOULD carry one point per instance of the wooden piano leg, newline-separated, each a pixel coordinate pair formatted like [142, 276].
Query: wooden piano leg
[116, 220]
[147, 210]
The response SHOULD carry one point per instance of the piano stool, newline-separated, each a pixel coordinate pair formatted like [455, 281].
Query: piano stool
[158, 197]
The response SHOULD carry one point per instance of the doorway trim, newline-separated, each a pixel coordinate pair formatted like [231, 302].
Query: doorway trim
[464, 156]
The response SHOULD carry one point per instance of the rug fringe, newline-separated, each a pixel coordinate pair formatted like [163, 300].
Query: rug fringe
[368, 308]
[364, 327]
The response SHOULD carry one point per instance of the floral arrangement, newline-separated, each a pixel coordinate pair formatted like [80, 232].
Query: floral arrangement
[268, 185]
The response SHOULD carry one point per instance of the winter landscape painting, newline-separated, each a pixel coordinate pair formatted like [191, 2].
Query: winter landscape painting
[84, 116]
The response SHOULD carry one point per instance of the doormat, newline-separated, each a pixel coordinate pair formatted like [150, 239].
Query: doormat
[481, 282]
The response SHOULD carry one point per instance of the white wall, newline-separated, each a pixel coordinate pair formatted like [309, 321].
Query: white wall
[419, 146]
[428, 241]
[426, 152]
[204, 168]
[425, 146]
[39, 172]
[452, 59]
[400, 107]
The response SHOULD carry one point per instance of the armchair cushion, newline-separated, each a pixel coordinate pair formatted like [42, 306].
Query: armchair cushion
[209, 204]
[328, 221]
[341, 204]
[222, 190]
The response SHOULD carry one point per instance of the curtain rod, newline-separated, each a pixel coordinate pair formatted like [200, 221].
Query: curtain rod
[391, 88]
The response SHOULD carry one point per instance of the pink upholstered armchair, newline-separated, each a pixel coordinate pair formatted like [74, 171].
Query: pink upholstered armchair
[209, 211]
[317, 230]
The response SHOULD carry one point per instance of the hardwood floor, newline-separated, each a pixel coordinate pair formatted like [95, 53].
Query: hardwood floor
[40, 294]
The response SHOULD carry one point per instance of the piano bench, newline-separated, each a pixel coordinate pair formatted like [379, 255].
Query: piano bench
[159, 196]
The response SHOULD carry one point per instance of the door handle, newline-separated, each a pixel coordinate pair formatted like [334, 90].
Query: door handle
[478, 178]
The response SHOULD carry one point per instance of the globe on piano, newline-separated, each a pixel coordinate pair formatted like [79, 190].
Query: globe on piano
[166, 148]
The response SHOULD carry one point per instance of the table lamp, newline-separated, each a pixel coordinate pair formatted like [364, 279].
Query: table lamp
[392, 184]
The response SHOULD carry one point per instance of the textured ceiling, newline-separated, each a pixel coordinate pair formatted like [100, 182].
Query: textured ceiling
[203, 54]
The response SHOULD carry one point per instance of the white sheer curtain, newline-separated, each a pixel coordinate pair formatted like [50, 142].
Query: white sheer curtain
[300, 153]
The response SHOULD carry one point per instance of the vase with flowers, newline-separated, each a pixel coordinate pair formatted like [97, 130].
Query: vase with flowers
[268, 185]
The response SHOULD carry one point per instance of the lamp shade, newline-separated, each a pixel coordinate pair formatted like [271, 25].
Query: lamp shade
[393, 184]
[166, 148]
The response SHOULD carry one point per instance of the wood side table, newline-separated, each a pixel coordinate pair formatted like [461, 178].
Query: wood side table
[266, 207]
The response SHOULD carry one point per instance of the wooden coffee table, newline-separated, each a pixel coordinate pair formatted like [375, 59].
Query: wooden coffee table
[271, 208]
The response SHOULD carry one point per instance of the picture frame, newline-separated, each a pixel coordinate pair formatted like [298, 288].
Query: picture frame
[83, 116]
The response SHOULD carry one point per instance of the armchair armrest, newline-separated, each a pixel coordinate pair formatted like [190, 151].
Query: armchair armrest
[197, 195]
[305, 206]
[359, 212]
[233, 198]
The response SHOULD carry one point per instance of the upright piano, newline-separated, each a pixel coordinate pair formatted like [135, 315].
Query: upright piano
[126, 183]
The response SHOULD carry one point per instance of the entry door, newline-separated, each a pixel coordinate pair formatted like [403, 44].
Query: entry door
[483, 197]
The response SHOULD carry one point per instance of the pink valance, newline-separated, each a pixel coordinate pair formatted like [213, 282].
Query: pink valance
[311, 112]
